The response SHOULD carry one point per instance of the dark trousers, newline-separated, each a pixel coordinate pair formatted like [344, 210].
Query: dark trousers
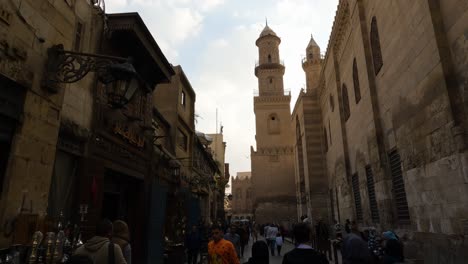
[192, 256]
[272, 245]
[279, 250]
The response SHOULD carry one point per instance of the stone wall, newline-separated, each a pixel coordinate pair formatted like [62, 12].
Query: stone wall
[413, 104]
[28, 28]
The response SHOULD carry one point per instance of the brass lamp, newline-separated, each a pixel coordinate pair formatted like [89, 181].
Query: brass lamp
[118, 74]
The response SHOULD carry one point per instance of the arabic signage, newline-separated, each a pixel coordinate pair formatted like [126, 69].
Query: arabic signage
[129, 134]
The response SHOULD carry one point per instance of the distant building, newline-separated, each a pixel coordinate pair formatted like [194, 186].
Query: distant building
[242, 196]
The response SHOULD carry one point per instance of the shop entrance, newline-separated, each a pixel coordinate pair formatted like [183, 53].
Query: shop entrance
[123, 198]
[6, 135]
[11, 107]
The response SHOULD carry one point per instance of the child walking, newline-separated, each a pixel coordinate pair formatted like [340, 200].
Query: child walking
[279, 243]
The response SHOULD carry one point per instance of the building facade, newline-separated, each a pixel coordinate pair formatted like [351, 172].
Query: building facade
[272, 161]
[242, 196]
[32, 114]
[393, 110]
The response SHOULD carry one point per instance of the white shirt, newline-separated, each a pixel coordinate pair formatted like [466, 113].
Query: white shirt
[272, 231]
[279, 241]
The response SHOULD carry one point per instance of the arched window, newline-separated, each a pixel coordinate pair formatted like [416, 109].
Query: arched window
[357, 88]
[375, 45]
[325, 139]
[271, 79]
[269, 58]
[332, 103]
[273, 124]
[344, 95]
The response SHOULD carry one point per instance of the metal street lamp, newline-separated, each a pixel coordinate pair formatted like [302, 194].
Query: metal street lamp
[116, 73]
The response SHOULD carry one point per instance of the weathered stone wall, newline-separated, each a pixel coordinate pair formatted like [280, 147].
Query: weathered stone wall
[27, 29]
[411, 104]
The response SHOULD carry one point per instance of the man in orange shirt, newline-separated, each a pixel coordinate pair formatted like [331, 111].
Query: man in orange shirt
[221, 251]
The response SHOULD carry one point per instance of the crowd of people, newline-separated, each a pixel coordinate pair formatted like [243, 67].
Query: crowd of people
[355, 246]
[225, 244]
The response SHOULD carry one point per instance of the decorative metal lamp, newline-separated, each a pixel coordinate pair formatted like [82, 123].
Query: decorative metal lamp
[118, 74]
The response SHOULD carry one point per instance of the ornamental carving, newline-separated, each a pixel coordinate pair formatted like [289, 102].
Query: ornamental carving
[12, 63]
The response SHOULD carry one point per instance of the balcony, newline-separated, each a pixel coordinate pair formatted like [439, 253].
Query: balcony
[286, 92]
[257, 63]
[268, 66]
[304, 58]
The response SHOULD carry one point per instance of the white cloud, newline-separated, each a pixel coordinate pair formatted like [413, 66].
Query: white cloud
[208, 5]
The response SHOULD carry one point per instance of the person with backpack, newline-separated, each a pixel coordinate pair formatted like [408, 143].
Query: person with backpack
[99, 249]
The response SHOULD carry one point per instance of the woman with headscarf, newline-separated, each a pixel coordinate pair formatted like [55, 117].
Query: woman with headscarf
[121, 237]
[393, 248]
[260, 253]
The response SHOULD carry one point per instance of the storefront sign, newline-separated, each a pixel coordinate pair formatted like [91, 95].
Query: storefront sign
[128, 134]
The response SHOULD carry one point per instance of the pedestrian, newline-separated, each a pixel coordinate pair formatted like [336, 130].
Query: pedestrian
[193, 243]
[234, 238]
[303, 253]
[244, 238]
[260, 254]
[354, 249]
[121, 237]
[271, 237]
[96, 250]
[321, 230]
[255, 232]
[279, 243]
[221, 251]
[348, 226]
[393, 248]
[338, 228]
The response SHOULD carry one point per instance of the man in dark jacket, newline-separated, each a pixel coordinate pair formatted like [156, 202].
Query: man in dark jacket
[193, 244]
[303, 253]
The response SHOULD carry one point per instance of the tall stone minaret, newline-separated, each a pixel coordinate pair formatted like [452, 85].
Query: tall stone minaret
[311, 179]
[312, 64]
[273, 160]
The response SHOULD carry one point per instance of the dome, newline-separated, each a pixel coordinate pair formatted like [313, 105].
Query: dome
[267, 31]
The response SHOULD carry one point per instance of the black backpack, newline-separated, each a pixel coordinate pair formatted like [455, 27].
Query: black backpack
[84, 259]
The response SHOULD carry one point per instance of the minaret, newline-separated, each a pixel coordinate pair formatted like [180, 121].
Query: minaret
[269, 69]
[311, 178]
[273, 160]
[312, 64]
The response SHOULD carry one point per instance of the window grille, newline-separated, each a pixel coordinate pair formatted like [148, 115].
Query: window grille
[78, 36]
[357, 196]
[398, 184]
[357, 88]
[325, 140]
[372, 198]
[344, 95]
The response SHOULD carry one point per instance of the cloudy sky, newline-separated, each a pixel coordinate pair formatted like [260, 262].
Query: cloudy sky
[214, 42]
